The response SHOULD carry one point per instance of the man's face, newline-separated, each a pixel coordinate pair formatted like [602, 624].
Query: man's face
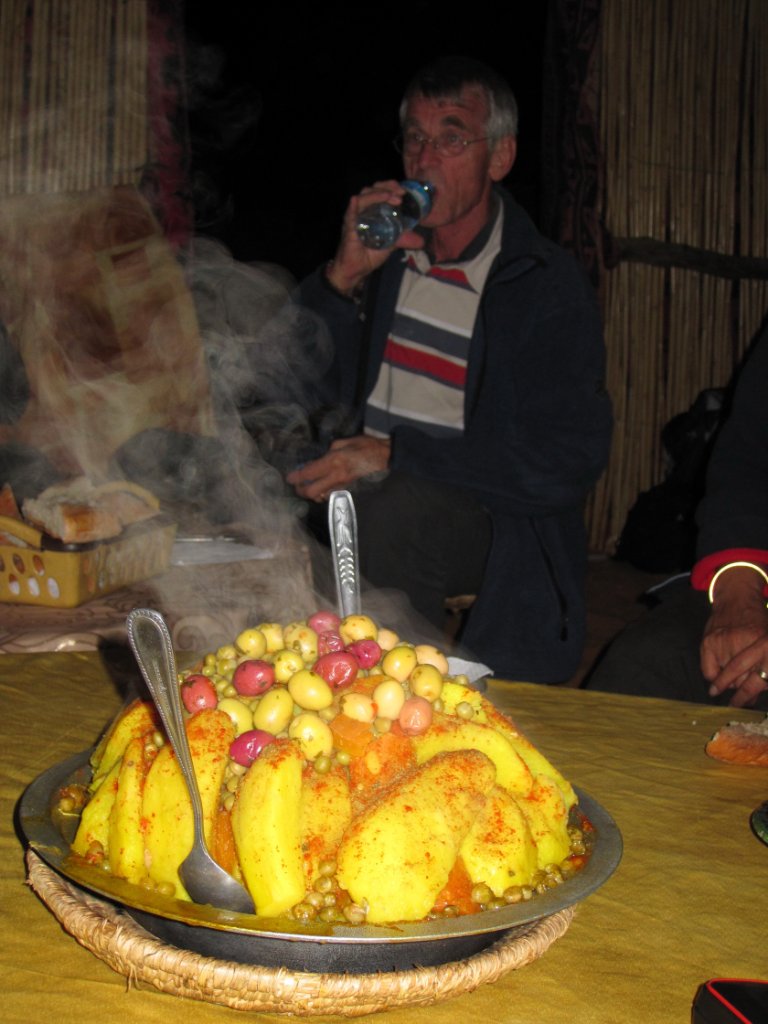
[463, 183]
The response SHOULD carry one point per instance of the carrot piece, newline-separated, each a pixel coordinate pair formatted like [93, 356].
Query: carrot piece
[385, 759]
[351, 736]
[223, 848]
[457, 891]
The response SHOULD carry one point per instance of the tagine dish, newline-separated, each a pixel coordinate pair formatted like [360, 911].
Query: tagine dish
[346, 778]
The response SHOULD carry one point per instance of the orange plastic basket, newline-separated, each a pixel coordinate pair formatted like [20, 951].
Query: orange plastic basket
[39, 572]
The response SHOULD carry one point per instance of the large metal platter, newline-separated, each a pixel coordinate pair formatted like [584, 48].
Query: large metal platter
[250, 939]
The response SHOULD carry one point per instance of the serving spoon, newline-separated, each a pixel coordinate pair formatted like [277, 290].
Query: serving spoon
[202, 877]
[342, 527]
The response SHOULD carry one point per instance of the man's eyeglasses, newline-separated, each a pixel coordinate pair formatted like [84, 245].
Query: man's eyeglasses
[446, 144]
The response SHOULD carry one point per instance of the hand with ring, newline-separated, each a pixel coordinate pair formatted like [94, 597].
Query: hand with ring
[734, 648]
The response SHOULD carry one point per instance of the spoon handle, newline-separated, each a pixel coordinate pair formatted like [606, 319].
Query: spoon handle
[152, 647]
[342, 527]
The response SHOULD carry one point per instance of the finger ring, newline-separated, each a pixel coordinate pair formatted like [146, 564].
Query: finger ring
[763, 674]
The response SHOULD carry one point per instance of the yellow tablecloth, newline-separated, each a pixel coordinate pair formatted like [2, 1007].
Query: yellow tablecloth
[687, 903]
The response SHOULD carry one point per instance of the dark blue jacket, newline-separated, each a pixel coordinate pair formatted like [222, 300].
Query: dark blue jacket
[734, 511]
[536, 438]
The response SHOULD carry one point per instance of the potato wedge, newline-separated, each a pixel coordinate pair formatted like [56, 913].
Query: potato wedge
[139, 718]
[166, 807]
[547, 816]
[126, 835]
[454, 693]
[325, 812]
[536, 761]
[94, 820]
[499, 848]
[447, 733]
[396, 857]
[266, 824]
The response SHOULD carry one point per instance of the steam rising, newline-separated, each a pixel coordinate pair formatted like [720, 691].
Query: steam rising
[191, 374]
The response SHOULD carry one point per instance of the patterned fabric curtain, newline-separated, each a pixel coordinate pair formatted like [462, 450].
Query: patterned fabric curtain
[90, 98]
[571, 167]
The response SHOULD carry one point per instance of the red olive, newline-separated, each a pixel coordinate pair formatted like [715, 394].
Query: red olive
[198, 692]
[415, 716]
[253, 677]
[323, 620]
[367, 652]
[338, 668]
[329, 640]
[248, 745]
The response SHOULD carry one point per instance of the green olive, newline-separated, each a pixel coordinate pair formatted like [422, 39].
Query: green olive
[309, 690]
[428, 654]
[389, 697]
[387, 639]
[357, 627]
[399, 662]
[298, 636]
[252, 642]
[239, 712]
[273, 634]
[426, 681]
[313, 735]
[274, 711]
[287, 663]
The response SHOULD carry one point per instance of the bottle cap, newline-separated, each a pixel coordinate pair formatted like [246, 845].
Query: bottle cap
[423, 191]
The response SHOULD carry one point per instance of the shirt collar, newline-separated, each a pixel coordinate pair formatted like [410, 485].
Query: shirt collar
[476, 270]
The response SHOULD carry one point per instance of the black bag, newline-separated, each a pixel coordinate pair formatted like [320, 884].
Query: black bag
[659, 534]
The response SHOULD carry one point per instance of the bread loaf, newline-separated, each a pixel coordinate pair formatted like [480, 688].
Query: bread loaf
[80, 512]
[741, 743]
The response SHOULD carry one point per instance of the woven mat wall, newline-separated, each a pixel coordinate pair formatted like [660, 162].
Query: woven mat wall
[73, 93]
[684, 136]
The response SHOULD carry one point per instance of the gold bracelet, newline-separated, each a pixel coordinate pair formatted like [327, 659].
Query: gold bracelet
[734, 565]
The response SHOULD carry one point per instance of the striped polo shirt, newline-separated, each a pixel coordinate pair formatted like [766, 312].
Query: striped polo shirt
[423, 373]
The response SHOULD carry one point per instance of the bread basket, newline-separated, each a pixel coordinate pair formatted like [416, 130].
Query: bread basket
[37, 570]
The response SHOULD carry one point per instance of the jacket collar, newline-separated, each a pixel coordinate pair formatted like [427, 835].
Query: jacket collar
[520, 239]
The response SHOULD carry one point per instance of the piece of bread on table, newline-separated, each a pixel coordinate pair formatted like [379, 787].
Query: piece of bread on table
[80, 512]
[740, 743]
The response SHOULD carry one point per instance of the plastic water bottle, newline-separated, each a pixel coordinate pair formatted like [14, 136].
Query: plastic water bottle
[379, 226]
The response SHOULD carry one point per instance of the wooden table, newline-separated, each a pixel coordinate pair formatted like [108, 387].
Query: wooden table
[687, 902]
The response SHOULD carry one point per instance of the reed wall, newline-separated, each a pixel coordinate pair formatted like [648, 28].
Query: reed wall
[683, 115]
[73, 94]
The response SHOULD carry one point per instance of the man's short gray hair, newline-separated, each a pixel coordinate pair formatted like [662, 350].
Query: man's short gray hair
[446, 79]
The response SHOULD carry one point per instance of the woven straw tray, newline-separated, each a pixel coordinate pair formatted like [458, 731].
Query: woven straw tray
[143, 959]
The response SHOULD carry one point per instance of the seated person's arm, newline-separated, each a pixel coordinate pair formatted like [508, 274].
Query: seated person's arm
[733, 528]
[734, 648]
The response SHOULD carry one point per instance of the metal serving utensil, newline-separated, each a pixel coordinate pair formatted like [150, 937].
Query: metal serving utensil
[342, 527]
[759, 821]
[202, 877]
